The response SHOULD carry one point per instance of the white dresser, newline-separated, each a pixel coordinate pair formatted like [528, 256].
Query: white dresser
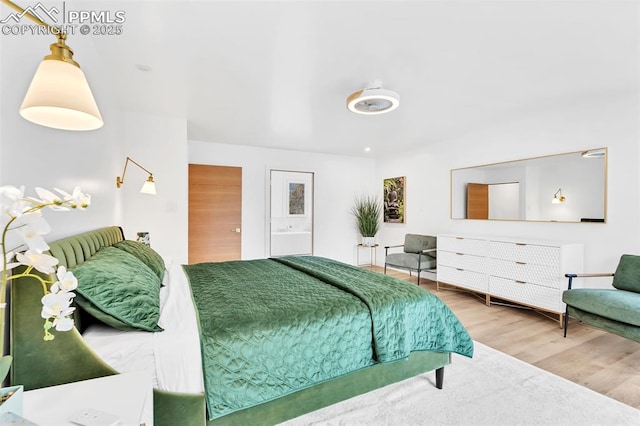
[522, 271]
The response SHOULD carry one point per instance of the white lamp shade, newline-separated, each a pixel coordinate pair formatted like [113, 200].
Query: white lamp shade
[149, 187]
[59, 97]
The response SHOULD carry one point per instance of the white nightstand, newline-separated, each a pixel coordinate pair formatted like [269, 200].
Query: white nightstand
[128, 396]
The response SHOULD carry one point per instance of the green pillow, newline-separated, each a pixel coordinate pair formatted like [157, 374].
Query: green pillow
[118, 289]
[627, 275]
[146, 254]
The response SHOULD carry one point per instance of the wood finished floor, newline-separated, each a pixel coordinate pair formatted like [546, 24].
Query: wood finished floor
[600, 361]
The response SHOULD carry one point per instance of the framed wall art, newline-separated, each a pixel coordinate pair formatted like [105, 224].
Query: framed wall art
[394, 200]
[296, 199]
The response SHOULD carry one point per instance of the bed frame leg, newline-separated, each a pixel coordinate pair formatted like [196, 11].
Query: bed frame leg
[439, 377]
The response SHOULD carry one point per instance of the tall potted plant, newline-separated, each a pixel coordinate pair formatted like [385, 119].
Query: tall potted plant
[367, 211]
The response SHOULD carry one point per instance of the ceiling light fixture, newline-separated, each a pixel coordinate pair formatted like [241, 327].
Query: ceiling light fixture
[59, 95]
[373, 99]
[149, 186]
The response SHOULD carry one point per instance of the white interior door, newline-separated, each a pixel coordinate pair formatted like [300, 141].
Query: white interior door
[291, 213]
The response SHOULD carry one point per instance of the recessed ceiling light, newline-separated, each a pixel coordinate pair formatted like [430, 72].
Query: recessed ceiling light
[144, 68]
[373, 99]
[367, 149]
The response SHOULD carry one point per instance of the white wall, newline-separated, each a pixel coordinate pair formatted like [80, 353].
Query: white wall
[337, 180]
[33, 155]
[606, 121]
[158, 144]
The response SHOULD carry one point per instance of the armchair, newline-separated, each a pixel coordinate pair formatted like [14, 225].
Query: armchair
[419, 254]
[614, 310]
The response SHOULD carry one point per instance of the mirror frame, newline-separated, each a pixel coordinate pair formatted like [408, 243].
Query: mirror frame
[582, 152]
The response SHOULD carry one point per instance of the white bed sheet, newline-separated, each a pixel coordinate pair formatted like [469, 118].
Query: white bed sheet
[173, 355]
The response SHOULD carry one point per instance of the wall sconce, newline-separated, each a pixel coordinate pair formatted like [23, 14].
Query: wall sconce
[595, 153]
[558, 197]
[59, 95]
[149, 186]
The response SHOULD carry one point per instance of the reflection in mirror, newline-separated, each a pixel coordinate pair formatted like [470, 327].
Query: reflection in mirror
[568, 187]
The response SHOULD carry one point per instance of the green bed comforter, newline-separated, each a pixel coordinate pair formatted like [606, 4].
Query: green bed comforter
[270, 327]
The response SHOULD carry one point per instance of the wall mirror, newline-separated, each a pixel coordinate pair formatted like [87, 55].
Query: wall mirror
[568, 187]
[291, 213]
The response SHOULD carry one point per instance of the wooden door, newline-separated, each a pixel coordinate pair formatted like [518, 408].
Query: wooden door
[477, 201]
[215, 213]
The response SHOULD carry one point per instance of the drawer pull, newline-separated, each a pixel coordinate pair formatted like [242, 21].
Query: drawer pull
[520, 282]
[521, 263]
[459, 269]
[459, 238]
[521, 244]
[460, 254]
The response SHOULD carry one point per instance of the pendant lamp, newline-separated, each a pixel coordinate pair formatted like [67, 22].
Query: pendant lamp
[59, 95]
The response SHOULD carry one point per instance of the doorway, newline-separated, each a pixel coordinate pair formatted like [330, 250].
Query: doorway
[215, 213]
[290, 213]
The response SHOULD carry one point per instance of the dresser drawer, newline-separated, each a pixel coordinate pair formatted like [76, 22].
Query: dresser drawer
[463, 261]
[463, 278]
[529, 272]
[463, 245]
[527, 293]
[527, 253]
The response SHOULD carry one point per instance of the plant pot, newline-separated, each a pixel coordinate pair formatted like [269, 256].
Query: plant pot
[368, 241]
[14, 403]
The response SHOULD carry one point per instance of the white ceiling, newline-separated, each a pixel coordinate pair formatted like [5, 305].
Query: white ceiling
[277, 74]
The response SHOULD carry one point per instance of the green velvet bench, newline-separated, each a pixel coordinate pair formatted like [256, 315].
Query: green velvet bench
[614, 310]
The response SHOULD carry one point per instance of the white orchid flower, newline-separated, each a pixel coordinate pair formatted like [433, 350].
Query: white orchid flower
[11, 200]
[48, 197]
[40, 261]
[77, 199]
[56, 305]
[30, 227]
[63, 324]
[22, 224]
[66, 281]
[9, 260]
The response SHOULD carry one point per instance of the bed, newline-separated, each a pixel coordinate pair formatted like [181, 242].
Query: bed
[255, 371]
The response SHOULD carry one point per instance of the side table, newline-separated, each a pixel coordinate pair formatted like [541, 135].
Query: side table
[372, 254]
[128, 396]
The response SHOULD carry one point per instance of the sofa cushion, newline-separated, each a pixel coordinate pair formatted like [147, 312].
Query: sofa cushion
[618, 305]
[627, 275]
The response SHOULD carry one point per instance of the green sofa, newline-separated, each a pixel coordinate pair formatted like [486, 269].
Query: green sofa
[614, 310]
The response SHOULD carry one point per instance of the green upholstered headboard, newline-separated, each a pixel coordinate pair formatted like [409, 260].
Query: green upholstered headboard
[67, 358]
[37, 363]
[74, 250]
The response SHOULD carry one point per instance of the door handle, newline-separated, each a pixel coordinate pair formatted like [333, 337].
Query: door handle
[237, 230]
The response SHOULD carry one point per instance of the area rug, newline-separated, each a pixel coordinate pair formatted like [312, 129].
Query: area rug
[491, 389]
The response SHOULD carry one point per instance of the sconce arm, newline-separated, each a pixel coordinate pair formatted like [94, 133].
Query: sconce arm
[120, 180]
